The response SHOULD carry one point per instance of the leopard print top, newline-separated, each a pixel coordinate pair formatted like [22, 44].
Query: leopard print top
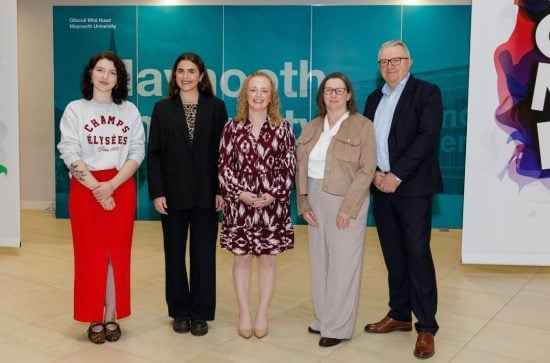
[190, 110]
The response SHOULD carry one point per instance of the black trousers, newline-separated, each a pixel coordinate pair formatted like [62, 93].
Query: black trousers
[193, 297]
[404, 228]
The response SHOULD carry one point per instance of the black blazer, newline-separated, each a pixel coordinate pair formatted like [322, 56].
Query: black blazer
[185, 172]
[414, 137]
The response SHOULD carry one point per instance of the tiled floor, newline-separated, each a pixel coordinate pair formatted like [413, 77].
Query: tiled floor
[486, 313]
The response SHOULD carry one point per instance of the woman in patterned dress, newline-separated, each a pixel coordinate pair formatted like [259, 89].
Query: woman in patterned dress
[256, 169]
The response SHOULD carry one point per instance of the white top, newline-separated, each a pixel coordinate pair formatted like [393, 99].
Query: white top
[318, 155]
[104, 136]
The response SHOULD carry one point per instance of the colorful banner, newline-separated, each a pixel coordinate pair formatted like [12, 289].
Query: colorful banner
[507, 190]
[298, 52]
[10, 235]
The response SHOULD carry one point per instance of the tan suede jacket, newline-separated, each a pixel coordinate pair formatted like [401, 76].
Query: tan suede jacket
[350, 163]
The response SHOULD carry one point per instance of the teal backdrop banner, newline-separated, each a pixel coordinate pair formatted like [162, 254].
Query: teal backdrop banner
[296, 45]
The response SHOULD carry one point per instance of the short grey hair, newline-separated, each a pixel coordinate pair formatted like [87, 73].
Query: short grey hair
[393, 43]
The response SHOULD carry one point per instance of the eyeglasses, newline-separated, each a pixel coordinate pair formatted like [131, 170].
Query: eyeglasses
[338, 91]
[394, 61]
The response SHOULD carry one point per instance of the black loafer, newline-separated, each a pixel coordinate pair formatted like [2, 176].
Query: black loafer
[199, 327]
[181, 325]
[313, 331]
[329, 342]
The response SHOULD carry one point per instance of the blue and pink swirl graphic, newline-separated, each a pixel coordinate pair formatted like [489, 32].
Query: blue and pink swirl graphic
[516, 63]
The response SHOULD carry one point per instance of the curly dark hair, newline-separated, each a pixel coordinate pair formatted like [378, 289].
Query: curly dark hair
[120, 91]
[351, 105]
[205, 86]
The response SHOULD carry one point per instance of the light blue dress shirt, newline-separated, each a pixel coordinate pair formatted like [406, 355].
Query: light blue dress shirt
[382, 121]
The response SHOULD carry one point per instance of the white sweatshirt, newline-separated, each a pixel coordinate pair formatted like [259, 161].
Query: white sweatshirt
[103, 136]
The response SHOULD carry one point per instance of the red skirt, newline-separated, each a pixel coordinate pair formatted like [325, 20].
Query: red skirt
[97, 235]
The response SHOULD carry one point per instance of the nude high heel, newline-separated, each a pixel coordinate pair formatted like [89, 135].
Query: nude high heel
[260, 333]
[245, 333]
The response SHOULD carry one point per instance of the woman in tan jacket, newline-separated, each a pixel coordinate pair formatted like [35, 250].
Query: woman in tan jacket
[336, 164]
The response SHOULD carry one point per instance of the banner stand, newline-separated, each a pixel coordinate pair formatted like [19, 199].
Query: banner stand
[9, 128]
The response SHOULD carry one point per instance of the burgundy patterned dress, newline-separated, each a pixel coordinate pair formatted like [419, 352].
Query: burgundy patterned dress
[263, 165]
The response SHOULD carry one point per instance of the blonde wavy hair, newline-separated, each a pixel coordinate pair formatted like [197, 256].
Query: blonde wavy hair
[273, 109]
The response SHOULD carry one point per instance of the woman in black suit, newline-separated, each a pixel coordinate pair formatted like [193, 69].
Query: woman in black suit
[182, 160]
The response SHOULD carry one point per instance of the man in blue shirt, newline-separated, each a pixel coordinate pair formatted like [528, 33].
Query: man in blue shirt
[408, 115]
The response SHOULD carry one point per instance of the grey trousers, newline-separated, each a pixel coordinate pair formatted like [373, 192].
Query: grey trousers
[336, 264]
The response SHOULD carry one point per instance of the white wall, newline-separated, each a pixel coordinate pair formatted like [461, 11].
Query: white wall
[36, 114]
[9, 128]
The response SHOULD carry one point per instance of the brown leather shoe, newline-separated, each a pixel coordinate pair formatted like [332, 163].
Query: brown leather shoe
[424, 345]
[387, 325]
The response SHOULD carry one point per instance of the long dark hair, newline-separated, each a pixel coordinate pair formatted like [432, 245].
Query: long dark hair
[120, 91]
[205, 86]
